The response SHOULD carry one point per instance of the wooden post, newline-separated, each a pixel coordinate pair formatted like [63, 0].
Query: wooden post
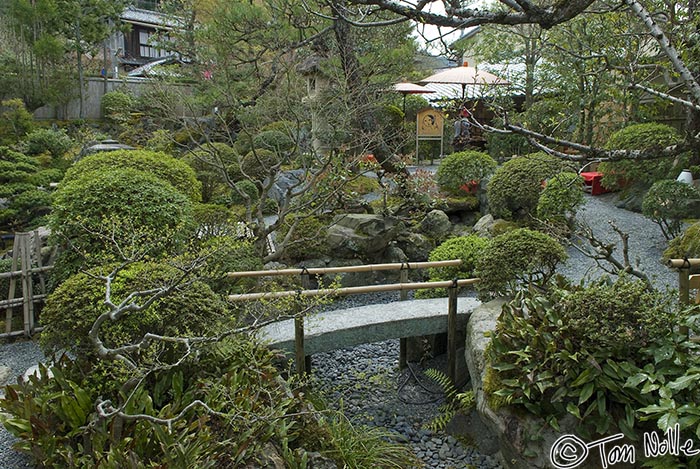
[684, 291]
[452, 332]
[27, 293]
[305, 285]
[13, 287]
[39, 262]
[403, 341]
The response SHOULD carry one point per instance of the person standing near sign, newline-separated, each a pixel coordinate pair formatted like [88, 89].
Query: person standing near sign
[462, 134]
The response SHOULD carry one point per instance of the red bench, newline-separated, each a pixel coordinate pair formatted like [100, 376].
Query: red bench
[592, 182]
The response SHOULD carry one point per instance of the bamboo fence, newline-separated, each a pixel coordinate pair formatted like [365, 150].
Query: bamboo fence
[303, 361]
[27, 270]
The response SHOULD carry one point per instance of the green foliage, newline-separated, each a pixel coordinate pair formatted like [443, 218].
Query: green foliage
[560, 198]
[458, 170]
[209, 162]
[602, 353]
[514, 189]
[640, 137]
[55, 142]
[15, 121]
[518, 257]
[45, 177]
[254, 166]
[228, 254]
[685, 245]
[72, 308]
[117, 106]
[503, 146]
[243, 187]
[274, 141]
[667, 203]
[118, 212]
[25, 209]
[308, 238]
[455, 402]
[171, 170]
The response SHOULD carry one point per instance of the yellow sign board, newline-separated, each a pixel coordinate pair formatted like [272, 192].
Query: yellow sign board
[429, 123]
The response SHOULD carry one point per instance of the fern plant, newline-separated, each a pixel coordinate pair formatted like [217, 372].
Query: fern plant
[455, 402]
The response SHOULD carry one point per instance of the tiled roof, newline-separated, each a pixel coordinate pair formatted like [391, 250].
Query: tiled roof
[156, 18]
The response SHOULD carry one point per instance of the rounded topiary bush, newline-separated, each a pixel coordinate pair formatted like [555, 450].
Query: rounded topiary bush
[171, 170]
[208, 161]
[461, 172]
[228, 254]
[685, 245]
[246, 187]
[254, 166]
[514, 189]
[73, 307]
[668, 202]
[647, 136]
[518, 257]
[307, 241]
[119, 209]
[54, 142]
[560, 198]
[273, 140]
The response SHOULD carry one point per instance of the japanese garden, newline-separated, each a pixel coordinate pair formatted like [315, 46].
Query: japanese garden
[349, 234]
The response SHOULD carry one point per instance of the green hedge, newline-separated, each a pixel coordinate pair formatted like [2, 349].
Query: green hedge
[463, 168]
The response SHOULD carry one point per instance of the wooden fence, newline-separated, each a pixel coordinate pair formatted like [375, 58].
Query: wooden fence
[27, 270]
[302, 361]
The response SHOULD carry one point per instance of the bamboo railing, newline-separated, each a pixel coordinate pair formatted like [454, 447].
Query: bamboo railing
[302, 361]
[686, 281]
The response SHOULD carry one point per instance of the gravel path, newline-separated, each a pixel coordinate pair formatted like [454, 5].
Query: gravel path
[367, 379]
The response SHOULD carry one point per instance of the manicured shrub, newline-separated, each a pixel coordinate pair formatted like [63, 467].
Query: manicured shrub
[119, 209]
[685, 245]
[73, 307]
[46, 176]
[117, 106]
[209, 161]
[466, 248]
[171, 170]
[54, 142]
[26, 209]
[273, 140]
[243, 187]
[460, 173]
[254, 166]
[514, 189]
[668, 202]
[518, 258]
[503, 146]
[308, 241]
[641, 137]
[560, 198]
[229, 254]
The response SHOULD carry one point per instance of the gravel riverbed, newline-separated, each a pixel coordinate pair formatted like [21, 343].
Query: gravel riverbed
[366, 378]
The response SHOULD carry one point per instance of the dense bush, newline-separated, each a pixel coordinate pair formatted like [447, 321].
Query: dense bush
[72, 308]
[308, 240]
[461, 172]
[229, 254]
[171, 170]
[45, 177]
[236, 196]
[117, 106]
[274, 140]
[54, 142]
[503, 146]
[26, 209]
[560, 198]
[603, 353]
[514, 189]
[466, 248]
[668, 202]
[685, 245]
[118, 209]
[518, 257]
[254, 166]
[641, 137]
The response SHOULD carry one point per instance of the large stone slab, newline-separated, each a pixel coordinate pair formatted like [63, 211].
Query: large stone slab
[367, 324]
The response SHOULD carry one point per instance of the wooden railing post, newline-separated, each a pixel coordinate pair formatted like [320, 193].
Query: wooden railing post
[403, 341]
[303, 360]
[684, 290]
[452, 331]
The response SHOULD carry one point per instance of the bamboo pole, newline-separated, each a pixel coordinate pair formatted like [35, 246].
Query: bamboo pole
[18, 273]
[303, 361]
[14, 302]
[679, 263]
[452, 332]
[9, 313]
[337, 270]
[352, 290]
[684, 293]
[27, 292]
[39, 262]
